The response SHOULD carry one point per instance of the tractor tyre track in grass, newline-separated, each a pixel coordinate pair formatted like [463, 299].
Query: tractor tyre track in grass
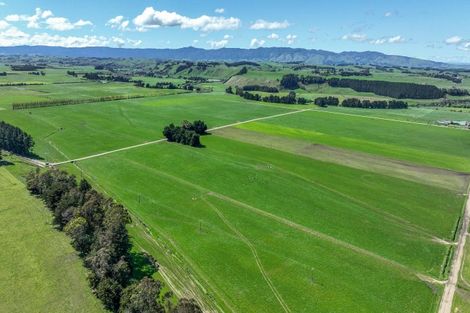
[255, 255]
[177, 272]
[289, 223]
[457, 262]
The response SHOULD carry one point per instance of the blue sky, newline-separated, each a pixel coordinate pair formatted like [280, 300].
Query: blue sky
[429, 29]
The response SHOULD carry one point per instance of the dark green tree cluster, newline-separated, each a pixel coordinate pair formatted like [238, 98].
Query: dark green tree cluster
[41, 73]
[240, 63]
[290, 81]
[348, 73]
[99, 76]
[260, 88]
[453, 77]
[187, 134]
[457, 92]
[15, 140]
[326, 101]
[377, 104]
[158, 85]
[97, 228]
[243, 71]
[311, 80]
[389, 89]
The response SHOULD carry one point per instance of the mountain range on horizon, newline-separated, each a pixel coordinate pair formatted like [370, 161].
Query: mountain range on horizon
[274, 54]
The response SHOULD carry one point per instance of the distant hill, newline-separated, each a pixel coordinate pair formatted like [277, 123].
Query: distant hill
[318, 57]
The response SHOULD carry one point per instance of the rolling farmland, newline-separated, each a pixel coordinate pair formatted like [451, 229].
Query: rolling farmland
[285, 208]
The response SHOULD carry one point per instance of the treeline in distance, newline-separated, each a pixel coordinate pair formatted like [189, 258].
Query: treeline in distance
[291, 98]
[60, 102]
[364, 104]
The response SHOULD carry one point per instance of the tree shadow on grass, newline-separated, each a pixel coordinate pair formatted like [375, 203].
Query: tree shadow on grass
[5, 163]
[143, 265]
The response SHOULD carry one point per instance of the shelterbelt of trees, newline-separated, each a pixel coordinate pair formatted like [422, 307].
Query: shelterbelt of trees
[291, 98]
[60, 102]
[364, 104]
[15, 140]
[389, 89]
[97, 228]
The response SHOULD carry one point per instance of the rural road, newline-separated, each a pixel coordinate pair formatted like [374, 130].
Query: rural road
[451, 285]
[163, 140]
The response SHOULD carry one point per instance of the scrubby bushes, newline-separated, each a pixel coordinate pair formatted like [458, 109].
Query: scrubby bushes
[97, 228]
[15, 140]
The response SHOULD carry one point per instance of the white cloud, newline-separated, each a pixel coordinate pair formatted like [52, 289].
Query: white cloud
[388, 14]
[63, 24]
[12, 18]
[262, 24]
[454, 40]
[465, 46]
[396, 39]
[214, 44]
[384, 40]
[273, 36]
[291, 39]
[151, 18]
[380, 41]
[118, 22]
[48, 19]
[218, 44]
[2, 4]
[115, 21]
[3, 24]
[219, 10]
[256, 43]
[12, 36]
[355, 37]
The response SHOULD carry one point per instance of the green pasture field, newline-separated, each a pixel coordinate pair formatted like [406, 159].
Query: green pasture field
[461, 301]
[74, 131]
[53, 75]
[333, 210]
[413, 114]
[82, 90]
[397, 76]
[180, 194]
[422, 144]
[39, 270]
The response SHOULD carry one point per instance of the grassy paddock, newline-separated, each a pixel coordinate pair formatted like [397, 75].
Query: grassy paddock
[39, 270]
[179, 191]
